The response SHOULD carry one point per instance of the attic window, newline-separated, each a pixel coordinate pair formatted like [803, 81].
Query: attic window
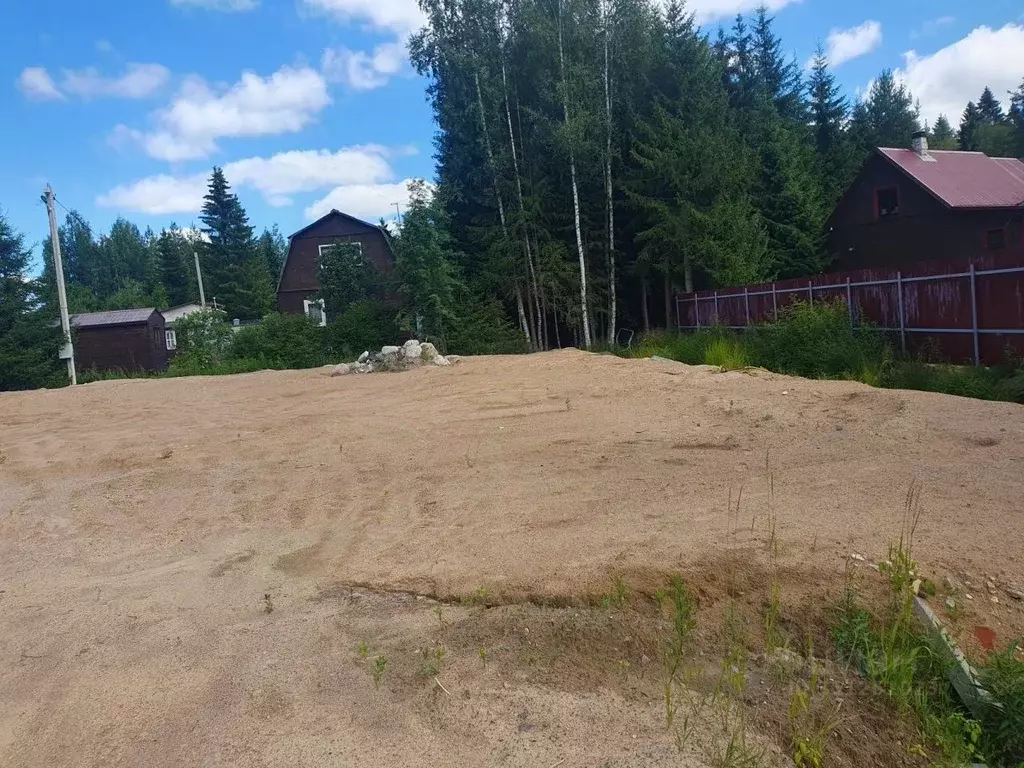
[354, 247]
[995, 239]
[887, 202]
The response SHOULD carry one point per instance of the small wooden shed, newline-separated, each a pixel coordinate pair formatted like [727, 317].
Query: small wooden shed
[122, 339]
[297, 288]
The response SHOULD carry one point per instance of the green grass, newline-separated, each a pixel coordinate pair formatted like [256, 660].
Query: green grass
[910, 669]
[817, 342]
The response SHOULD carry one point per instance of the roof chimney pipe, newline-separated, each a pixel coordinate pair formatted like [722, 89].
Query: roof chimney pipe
[919, 143]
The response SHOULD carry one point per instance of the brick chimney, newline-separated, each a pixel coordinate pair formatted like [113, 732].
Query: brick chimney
[919, 143]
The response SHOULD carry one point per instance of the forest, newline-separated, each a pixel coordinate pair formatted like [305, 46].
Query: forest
[592, 158]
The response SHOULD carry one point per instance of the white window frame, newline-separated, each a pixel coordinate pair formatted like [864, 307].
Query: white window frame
[307, 303]
[170, 339]
[326, 247]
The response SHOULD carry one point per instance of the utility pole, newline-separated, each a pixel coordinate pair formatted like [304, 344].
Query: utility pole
[67, 352]
[398, 210]
[199, 277]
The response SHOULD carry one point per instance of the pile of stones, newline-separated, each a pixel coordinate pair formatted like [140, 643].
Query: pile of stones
[412, 354]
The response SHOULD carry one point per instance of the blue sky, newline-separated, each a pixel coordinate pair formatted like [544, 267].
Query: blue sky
[124, 106]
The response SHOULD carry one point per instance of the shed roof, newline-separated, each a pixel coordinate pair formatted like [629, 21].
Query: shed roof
[114, 317]
[964, 179]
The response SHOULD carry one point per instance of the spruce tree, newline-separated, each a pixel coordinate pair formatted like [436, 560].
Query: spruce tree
[778, 79]
[233, 271]
[29, 341]
[887, 118]
[174, 257]
[1016, 118]
[942, 135]
[970, 125]
[989, 109]
[829, 110]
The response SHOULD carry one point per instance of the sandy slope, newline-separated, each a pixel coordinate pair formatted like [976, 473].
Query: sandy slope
[142, 523]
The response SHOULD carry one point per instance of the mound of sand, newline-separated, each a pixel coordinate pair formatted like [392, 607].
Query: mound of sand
[147, 528]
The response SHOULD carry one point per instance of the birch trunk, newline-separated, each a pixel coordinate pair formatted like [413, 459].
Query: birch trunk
[497, 195]
[575, 190]
[532, 275]
[608, 181]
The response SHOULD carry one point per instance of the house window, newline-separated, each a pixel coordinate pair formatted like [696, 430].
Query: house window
[354, 247]
[171, 339]
[887, 202]
[995, 239]
[314, 309]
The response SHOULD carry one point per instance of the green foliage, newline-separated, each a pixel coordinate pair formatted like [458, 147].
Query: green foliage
[815, 341]
[28, 340]
[364, 326]
[281, 341]
[204, 339]
[1002, 725]
[345, 277]
[726, 352]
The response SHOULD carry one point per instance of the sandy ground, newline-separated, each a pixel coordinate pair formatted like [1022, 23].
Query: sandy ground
[188, 566]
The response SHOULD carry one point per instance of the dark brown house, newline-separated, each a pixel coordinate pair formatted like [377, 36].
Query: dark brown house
[910, 205]
[123, 339]
[298, 283]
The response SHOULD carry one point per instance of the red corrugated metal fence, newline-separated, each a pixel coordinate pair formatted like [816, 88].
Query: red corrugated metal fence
[972, 308]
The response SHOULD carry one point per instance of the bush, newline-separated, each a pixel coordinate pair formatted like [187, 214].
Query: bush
[204, 338]
[281, 341]
[365, 325]
[727, 352]
[816, 341]
[480, 327]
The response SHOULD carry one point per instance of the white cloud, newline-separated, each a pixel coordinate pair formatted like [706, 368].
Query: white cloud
[285, 102]
[710, 10]
[362, 71]
[218, 5]
[946, 80]
[36, 84]
[275, 178]
[366, 201]
[931, 26]
[137, 82]
[157, 194]
[104, 46]
[843, 45]
[401, 16]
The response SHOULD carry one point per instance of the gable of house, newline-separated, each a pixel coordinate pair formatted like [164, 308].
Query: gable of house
[904, 207]
[298, 282]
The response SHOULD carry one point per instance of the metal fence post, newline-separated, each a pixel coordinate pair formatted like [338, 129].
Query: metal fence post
[849, 302]
[696, 310]
[974, 316]
[775, 303]
[903, 317]
[679, 323]
[746, 304]
[810, 292]
[717, 319]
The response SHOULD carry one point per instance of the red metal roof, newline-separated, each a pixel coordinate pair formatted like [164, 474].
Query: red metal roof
[964, 179]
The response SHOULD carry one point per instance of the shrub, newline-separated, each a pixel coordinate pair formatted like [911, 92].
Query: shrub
[204, 338]
[281, 341]
[364, 325]
[480, 327]
[816, 341]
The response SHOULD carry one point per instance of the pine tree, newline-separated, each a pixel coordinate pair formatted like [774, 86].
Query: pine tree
[989, 109]
[942, 135]
[29, 342]
[970, 125]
